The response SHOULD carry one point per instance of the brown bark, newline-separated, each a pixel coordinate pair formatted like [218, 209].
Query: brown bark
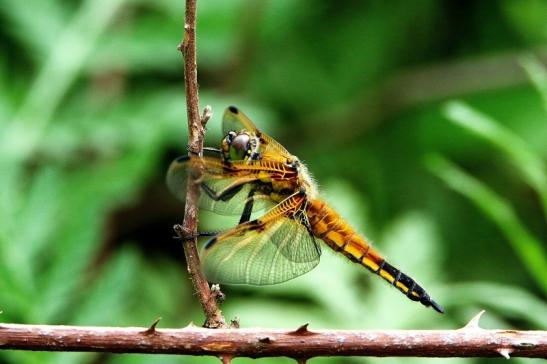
[196, 130]
[298, 344]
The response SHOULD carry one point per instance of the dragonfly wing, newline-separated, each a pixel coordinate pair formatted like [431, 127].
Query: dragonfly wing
[273, 249]
[235, 120]
[222, 192]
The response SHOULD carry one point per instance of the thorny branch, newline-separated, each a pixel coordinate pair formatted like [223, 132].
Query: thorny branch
[300, 344]
[196, 132]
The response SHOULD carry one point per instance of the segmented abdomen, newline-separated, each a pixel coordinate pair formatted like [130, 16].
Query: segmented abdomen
[327, 225]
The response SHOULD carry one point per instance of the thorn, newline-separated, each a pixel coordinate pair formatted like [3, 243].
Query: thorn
[207, 114]
[190, 325]
[301, 360]
[226, 358]
[505, 352]
[234, 323]
[302, 330]
[473, 324]
[152, 329]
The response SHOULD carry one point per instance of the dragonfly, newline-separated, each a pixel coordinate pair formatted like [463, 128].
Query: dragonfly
[251, 174]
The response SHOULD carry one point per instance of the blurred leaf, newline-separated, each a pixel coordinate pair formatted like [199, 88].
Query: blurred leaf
[36, 33]
[528, 17]
[529, 250]
[57, 74]
[527, 163]
[107, 303]
[511, 302]
[538, 75]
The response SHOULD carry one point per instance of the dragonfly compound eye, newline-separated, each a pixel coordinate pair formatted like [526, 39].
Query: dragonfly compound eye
[241, 142]
[240, 146]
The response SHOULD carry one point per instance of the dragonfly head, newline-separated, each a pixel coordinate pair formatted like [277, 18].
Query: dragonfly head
[239, 146]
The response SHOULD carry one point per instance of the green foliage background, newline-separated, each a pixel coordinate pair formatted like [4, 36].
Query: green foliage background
[424, 123]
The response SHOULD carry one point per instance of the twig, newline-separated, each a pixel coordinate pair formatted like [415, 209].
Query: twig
[196, 131]
[299, 344]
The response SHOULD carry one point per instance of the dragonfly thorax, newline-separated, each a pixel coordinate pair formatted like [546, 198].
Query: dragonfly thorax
[305, 179]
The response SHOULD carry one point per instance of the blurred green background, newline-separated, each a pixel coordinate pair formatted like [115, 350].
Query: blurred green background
[424, 122]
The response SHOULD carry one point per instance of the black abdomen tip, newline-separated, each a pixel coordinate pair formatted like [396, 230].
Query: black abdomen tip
[427, 301]
[233, 109]
[437, 307]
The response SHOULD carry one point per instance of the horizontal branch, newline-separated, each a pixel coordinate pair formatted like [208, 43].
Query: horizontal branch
[470, 341]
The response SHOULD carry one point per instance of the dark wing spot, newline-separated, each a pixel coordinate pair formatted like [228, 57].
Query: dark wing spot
[210, 243]
[182, 158]
[233, 109]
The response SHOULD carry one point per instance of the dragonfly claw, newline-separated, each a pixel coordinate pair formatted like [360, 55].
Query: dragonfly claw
[185, 235]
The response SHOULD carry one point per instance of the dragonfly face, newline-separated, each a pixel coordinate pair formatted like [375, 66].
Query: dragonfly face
[251, 173]
[240, 146]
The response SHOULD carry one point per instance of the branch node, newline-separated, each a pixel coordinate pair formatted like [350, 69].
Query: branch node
[505, 352]
[152, 329]
[183, 234]
[301, 331]
[207, 115]
[473, 324]
[234, 323]
[217, 294]
[184, 43]
[264, 340]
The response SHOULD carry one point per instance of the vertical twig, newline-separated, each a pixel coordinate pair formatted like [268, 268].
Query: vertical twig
[196, 131]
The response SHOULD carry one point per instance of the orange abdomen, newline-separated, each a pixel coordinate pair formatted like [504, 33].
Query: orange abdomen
[328, 225]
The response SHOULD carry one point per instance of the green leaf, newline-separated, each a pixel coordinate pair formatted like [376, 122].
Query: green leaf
[529, 249]
[530, 166]
[538, 75]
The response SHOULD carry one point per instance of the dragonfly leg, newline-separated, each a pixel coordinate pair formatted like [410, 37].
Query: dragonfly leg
[214, 151]
[223, 195]
[199, 234]
[211, 150]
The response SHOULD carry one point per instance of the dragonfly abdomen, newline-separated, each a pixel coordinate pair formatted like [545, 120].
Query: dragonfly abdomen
[327, 225]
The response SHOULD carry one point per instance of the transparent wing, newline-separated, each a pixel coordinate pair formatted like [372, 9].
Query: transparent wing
[223, 192]
[235, 120]
[273, 249]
